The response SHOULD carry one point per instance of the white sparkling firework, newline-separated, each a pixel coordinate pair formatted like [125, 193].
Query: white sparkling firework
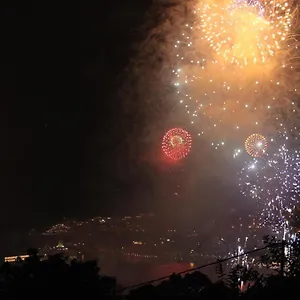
[274, 181]
[242, 259]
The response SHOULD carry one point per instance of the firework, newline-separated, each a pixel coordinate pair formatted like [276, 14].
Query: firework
[245, 32]
[176, 143]
[251, 6]
[275, 183]
[256, 145]
[226, 98]
[243, 259]
[234, 67]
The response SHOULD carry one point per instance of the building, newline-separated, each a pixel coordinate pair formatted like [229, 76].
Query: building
[60, 248]
[16, 258]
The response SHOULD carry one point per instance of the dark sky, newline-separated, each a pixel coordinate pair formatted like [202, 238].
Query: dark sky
[65, 137]
[60, 113]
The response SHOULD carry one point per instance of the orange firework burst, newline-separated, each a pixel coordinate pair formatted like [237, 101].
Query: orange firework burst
[236, 64]
[244, 32]
[256, 145]
[176, 143]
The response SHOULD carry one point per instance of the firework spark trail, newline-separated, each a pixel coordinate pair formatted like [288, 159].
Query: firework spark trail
[241, 247]
[274, 181]
[245, 32]
[177, 71]
[231, 92]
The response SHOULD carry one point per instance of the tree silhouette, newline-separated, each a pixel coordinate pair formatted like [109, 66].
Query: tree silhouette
[56, 273]
[35, 277]
[256, 286]
[295, 219]
[189, 285]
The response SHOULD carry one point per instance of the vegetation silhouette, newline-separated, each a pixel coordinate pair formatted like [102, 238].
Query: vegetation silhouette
[54, 274]
[283, 279]
[38, 278]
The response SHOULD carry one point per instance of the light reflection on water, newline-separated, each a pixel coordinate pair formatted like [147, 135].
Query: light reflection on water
[135, 273]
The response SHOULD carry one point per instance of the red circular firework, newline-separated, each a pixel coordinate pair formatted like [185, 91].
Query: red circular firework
[177, 143]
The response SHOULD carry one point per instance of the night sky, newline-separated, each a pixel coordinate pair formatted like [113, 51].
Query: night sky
[69, 149]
